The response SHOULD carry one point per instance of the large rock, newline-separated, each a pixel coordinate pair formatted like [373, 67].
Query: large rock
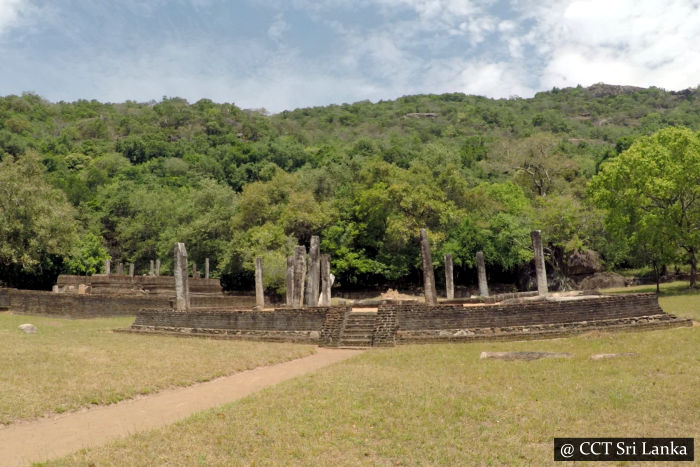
[581, 262]
[28, 328]
[603, 280]
[523, 355]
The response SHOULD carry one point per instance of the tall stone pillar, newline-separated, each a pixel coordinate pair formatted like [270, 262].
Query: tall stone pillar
[206, 268]
[108, 267]
[131, 270]
[182, 286]
[299, 276]
[326, 282]
[481, 274]
[157, 267]
[313, 276]
[151, 270]
[194, 270]
[449, 278]
[120, 269]
[540, 269]
[428, 272]
[259, 290]
[289, 281]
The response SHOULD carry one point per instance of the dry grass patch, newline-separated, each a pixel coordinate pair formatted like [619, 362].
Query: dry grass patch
[76, 363]
[440, 404]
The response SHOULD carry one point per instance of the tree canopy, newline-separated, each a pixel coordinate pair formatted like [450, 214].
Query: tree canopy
[127, 180]
[651, 193]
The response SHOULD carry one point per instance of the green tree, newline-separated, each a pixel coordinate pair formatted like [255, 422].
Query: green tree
[37, 224]
[651, 193]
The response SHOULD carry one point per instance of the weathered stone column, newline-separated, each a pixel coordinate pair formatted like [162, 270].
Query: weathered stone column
[194, 270]
[289, 281]
[157, 267]
[449, 278]
[151, 270]
[131, 270]
[120, 269]
[428, 272]
[108, 267]
[481, 274]
[206, 268]
[326, 282]
[299, 275]
[313, 275]
[540, 269]
[259, 290]
[182, 286]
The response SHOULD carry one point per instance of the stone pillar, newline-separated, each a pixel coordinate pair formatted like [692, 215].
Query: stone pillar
[289, 281]
[428, 272]
[157, 267]
[481, 274]
[206, 268]
[108, 267]
[449, 278]
[326, 282]
[182, 286]
[194, 270]
[299, 276]
[540, 269]
[151, 270]
[259, 290]
[313, 276]
[120, 269]
[131, 270]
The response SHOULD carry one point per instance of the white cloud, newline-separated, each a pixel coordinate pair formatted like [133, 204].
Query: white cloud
[635, 42]
[277, 28]
[10, 13]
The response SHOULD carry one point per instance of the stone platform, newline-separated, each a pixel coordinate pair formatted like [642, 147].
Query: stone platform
[409, 323]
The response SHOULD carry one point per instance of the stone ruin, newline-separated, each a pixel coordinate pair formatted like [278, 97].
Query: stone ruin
[309, 317]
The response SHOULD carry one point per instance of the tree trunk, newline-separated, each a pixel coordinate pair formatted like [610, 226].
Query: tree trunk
[693, 267]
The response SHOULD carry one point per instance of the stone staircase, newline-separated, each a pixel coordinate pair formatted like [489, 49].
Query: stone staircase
[358, 329]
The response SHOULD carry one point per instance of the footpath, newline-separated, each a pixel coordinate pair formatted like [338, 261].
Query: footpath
[41, 440]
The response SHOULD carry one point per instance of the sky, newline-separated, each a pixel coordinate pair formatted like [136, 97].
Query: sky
[281, 55]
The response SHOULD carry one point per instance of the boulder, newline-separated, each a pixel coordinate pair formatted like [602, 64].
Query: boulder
[523, 355]
[28, 328]
[603, 280]
[582, 262]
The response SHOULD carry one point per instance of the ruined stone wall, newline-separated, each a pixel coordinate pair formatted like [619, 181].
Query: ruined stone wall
[310, 325]
[536, 319]
[39, 302]
[115, 284]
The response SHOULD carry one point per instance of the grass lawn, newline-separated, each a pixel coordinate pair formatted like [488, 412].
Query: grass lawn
[75, 363]
[440, 404]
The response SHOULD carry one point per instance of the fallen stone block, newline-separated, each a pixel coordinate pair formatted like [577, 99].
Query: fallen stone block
[28, 328]
[603, 356]
[523, 355]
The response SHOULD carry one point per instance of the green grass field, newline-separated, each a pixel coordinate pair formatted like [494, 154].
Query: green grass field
[440, 404]
[75, 363]
[675, 297]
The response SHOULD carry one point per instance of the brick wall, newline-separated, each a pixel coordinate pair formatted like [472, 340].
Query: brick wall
[419, 316]
[311, 325]
[39, 302]
[113, 284]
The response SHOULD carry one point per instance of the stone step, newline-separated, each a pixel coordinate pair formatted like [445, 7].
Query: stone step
[355, 342]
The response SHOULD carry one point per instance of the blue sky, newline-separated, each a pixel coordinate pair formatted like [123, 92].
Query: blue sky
[297, 53]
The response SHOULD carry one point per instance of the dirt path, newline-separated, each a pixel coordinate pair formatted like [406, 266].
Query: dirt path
[23, 443]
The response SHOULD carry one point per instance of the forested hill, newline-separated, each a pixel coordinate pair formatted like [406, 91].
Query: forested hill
[84, 180]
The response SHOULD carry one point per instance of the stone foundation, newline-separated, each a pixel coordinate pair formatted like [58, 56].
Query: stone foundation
[402, 323]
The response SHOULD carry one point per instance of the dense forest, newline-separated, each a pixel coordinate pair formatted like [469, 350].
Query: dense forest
[83, 181]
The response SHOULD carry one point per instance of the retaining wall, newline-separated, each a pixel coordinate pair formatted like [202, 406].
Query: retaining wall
[39, 302]
[283, 324]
